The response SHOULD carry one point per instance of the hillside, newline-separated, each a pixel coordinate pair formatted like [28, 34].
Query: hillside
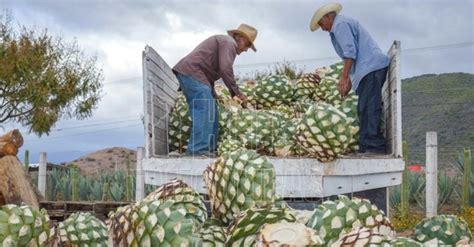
[106, 160]
[442, 103]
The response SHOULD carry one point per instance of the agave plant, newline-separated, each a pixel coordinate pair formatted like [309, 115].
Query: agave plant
[416, 185]
[67, 184]
[395, 197]
[64, 186]
[95, 191]
[84, 185]
[446, 188]
[117, 191]
[119, 177]
[458, 164]
[54, 178]
[104, 177]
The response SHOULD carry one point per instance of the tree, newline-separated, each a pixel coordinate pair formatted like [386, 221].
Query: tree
[43, 79]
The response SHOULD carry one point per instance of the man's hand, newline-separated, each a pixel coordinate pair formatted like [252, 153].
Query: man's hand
[243, 100]
[243, 97]
[344, 86]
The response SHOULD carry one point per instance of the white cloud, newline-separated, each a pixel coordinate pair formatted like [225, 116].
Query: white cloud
[174, 21]
[183, 41]
[121, 58]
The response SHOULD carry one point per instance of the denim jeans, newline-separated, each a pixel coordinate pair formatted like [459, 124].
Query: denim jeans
[369, 111]
[204, 114]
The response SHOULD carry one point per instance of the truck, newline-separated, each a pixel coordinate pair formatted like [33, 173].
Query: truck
[302, 182]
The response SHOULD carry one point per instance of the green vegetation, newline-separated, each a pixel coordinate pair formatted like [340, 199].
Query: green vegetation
[26, 161]
[458, 164]
[69, 184]
[442, 103]
[43, 78]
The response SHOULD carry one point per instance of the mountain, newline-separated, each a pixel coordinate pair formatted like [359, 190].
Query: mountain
[442, 103]
[108, 159]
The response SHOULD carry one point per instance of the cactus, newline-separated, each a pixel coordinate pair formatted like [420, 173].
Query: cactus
[105, 192]
[467, 179]
[128, 181]
[128, 189]
[404, 189]
[75, 184]
[26, 161]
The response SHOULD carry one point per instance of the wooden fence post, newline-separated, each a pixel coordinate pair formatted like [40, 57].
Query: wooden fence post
[431, 174]
[42, 174]
[140, 180]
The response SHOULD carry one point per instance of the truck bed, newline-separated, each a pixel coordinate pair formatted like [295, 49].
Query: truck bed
[296, 177]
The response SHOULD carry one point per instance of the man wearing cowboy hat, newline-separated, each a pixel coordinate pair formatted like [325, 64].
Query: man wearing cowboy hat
[209, 61]
[365, 69]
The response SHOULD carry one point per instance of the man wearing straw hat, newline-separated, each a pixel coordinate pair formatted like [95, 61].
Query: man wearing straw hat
[365, 69]
[209, 61]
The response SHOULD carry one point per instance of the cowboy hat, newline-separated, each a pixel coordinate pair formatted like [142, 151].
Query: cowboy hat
[249, 32]
[325, 9]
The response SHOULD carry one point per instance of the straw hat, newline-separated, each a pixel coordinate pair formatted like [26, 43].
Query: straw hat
[247, 31]
[325, 9]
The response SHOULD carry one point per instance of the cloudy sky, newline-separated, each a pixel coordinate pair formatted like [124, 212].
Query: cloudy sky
[437, 37]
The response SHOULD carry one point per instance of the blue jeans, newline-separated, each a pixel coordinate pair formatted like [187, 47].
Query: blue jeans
[369, 111]
[204, 114]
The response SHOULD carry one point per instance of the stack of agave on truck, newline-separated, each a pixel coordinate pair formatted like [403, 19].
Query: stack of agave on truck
[303, 117]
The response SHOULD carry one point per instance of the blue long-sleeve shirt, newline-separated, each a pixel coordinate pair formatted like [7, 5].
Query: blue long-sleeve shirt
[351, 40]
